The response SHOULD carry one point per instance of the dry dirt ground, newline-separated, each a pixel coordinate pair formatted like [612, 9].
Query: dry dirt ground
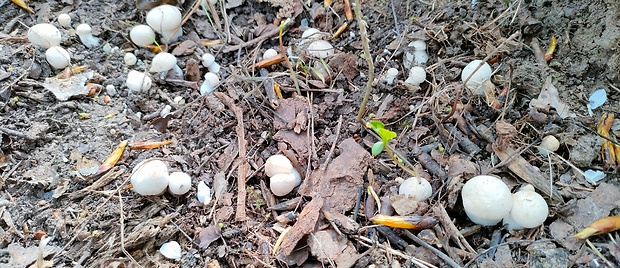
[49, 147]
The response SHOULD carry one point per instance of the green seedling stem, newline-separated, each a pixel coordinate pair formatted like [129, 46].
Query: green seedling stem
[386, 135]
[290, 66]
[371, 67]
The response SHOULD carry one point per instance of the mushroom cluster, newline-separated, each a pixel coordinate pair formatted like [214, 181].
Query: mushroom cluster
[150, 177]
[283, 176]
[487, 200]
[48, 36]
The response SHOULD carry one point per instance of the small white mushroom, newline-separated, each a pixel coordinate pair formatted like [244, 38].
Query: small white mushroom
[142, 35]
[548, 144]
[179, 183]
[481, 75]
[84, 31]
[416, 187]
[320, 49]
[211, 81]
[417, 76]
[130, 59]
[529, 209]
[278, 164]
[171, 250]
[208, 60]
[164, 19]
[420, 55]
[283, 184]
[64, 20]
[164, 61]
[44, 35]
[390, 75]
[138, 81]
[203, 193]
[269, 53]
[150, 177]
[486, 199]
[57, 57]
[312, 34]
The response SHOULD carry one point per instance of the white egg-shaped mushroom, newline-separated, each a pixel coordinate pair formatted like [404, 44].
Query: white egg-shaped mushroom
[208, 86]
[44, 35]
[390, 75]
[179, 183]
[417, 76]
[416, 187]
[150, 177]
[548, 144]
[57, 57]
[165, 19]
[171, 250]
[486, 199]
[208, 60]
[269, 53]
[278, 164]
[130, 59]
[529, 209]
[312, 34]
[164, 61]
[138, 81]
[320, 49]
[85, 33]
[142, 35]
[481, 75]
[282, 184]
[64, 20]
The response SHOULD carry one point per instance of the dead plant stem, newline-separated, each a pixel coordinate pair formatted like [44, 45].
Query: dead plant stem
[288, 62]
[371, 67]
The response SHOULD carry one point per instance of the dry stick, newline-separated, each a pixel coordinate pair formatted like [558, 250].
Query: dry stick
[240, 214]
[371, 67]
[258, 39]
[288, 62]
[439, 254]
[392, 251]
[122, 221]
[16, 133]
[331, 150]
[460, 89]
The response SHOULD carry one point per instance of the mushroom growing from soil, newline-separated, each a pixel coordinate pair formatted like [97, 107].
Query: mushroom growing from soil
[64, 20]
[138, 81]
[165, 19]
[211, 81]
[179, 183]
[269, 53]
[548, 144]
[419, 53]
[164, 61]
[57, 57]
[529, 209]
[390, 75]
[486, 199]
[478, 78]
[130, 58]
[208, 60]
[416, 187]
[44, 35]
[284, 177]
[142, 35]
[150, 177]
[320, 49]
[84, 31]
[417, 76]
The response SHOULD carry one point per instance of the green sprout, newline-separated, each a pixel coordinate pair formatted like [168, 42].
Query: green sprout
[385, 135]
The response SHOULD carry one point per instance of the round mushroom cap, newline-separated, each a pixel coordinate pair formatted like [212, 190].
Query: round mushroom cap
[486, 200]
[416, 187]
[44, 35]
[58, 57]
[64, 20]
[479, 76]
[393, 72]
[320, 49]
[548, 144]
[282, 184]
[83, 29]
[179, 183]
[208, 59]
[270, 53]
[138, 81]
[142, 35]
[150, 177]
[418, 45]
[164, 18]
[278, 164]
[529, 209]
[417, 76]
[162, 62]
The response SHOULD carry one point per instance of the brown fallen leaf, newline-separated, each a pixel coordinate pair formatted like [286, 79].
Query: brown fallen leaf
[304, 225]
[208, 235]
[414, 222]
[602, 226]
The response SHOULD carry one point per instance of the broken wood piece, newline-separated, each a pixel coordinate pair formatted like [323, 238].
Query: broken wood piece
[530, 174]
[305, 224]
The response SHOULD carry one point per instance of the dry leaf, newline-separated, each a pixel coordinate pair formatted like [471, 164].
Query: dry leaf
[602, 226]
[208, 235]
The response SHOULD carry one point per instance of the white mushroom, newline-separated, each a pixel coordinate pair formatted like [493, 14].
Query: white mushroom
[486, 199]
[283, 184]
[269, 53]
[165, 19]
[419, 53]
[138, 81]
[130, 59]
[57, 57]
[211, 81]
[64, 20]
[203, 193]
[529, 209]
[416, 187]
[312, 34]
[481, 75]
[142, 35]
[278, 164]
[417, 76]
[548, 144]
[179, 183]
[164, 61]
[150, 177]
[390, 75]
[84, 31]
[44, 35]
[320, 49]
[208, 60]
[171, 250]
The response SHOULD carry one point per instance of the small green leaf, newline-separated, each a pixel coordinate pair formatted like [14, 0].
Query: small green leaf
[377, 148]
[379, 128]
[387, 135]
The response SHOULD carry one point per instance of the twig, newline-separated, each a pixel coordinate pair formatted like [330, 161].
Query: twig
[254, 41]
[240, 214]
[413, 259]
[371, 67]
[283, 51]
[16, 133]
[331, 150]
[439, 254]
